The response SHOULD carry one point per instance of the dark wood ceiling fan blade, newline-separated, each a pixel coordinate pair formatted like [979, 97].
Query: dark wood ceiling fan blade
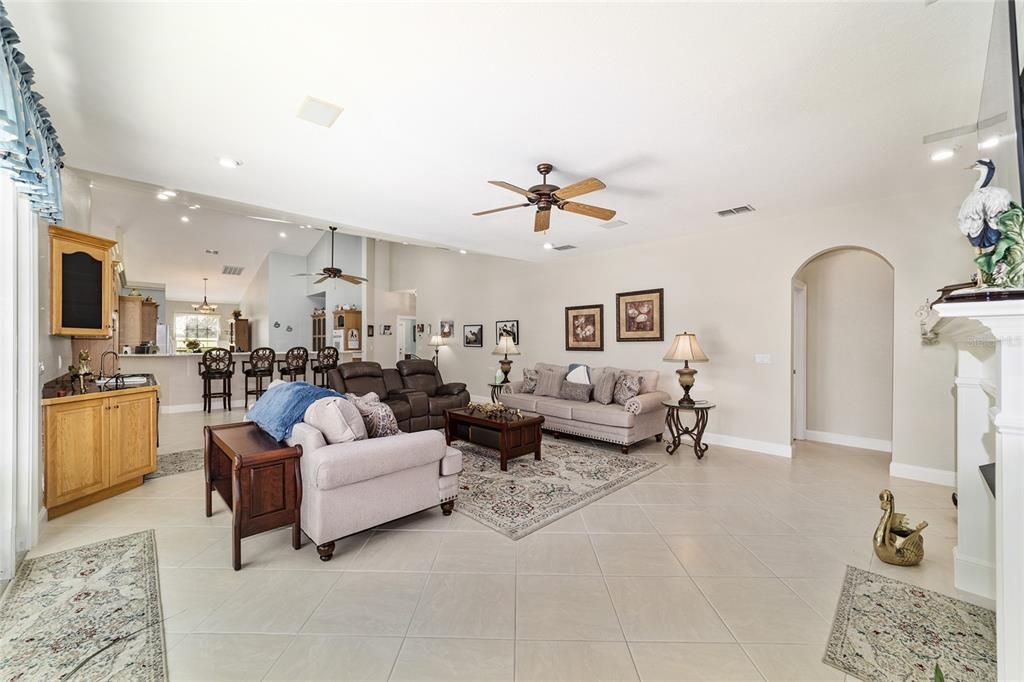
[352, 279]
[509, 186]
[503, 208]
[324, 278]
[578, 188]
[542, 222]
[587, 210]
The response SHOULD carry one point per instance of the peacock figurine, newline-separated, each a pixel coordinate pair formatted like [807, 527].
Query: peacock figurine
[895, 542]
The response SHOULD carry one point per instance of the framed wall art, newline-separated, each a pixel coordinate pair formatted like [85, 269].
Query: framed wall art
[506, 328]
[584, 327]
[640, 315]
[473, 335]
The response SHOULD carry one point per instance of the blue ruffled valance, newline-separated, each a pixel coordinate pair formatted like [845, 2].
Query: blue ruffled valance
[29, 150]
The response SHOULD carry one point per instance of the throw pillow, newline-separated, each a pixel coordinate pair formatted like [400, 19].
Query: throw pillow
[377, 416]
[578, 374]
[529, 381]
[627, 386]
[326, 416]
[574, 391]
[604, 387]
[549, 382]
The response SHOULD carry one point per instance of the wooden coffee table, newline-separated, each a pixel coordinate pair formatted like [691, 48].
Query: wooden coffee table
[510, 436]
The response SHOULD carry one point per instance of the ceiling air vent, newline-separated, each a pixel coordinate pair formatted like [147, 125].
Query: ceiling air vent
[735, 211]
[612, 224]
[232, 270]
[564, 247]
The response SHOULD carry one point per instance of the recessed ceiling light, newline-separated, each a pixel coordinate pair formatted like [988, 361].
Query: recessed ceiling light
[229, 163]
[194, 207]
[548, 245]
[462, 251]
[184, 218]
[989, 143]
[283, 234]
[319, 112]
[162, 197]
[405, 243]
[943, 154]
[169, 192]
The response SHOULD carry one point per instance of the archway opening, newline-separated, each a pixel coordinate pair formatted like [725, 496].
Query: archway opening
[842, 350]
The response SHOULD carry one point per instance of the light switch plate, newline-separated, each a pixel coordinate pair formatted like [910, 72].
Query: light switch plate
[763, 358]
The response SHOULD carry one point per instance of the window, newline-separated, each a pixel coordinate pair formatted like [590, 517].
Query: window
[203, 328]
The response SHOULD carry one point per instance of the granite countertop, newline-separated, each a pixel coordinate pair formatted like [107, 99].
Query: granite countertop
[64, 387]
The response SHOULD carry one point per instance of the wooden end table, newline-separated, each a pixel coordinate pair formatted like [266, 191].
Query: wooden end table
[677, 430]
[496, 390]
[257, 477]
[510, 436]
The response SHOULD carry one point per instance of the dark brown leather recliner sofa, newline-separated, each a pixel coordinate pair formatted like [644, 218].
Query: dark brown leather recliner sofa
[411, 407]
[423, 375]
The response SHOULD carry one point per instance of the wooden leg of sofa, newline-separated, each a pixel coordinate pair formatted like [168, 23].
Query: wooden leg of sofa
[447, 507]
[625, 449]
[326, 551]
[657, 439]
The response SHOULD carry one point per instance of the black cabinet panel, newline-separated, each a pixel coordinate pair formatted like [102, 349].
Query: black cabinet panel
[82, 304]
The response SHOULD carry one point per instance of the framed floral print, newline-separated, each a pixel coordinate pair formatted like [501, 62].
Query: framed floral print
[584, 327]
[640, 315]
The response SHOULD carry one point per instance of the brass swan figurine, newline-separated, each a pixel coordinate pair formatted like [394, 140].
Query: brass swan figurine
[895, 542]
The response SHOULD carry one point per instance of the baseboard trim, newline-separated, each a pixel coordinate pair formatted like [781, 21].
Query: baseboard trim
[762, 446]
[974, 575]
[849, 441]
[197, 407]
[923, 474]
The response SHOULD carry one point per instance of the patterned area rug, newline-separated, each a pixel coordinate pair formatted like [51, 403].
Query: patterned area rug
[885, 629]
[177, 463]
[532, 494]
[88, 613]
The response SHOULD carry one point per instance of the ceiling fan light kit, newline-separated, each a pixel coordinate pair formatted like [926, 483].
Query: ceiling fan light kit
[546, 196]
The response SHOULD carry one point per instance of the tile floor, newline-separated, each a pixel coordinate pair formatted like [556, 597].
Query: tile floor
[727, 569]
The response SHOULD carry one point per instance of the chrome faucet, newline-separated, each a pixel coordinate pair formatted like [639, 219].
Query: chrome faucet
[116, 363]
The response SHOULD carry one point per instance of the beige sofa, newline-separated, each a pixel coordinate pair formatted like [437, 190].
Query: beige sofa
[349, 487]
[640, 418]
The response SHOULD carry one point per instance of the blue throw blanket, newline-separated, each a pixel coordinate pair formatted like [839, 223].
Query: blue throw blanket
[283, 406]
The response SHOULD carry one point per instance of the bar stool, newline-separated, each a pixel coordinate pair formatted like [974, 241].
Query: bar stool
[216, 365]
[261, 366]
[326, 360]
[294, 363]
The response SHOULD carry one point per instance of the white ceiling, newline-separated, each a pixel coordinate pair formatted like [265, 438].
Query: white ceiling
[681, 109]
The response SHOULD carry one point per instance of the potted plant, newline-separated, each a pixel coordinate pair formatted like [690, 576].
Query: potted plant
[237, 314]
[192, 345]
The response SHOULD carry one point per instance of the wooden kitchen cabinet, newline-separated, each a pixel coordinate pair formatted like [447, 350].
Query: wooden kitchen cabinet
[81, 299]
[97, 445]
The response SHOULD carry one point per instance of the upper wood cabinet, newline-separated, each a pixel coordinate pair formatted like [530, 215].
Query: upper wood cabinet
[81, 294]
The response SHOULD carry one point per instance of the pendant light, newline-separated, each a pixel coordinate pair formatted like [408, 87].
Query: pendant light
[204, 307]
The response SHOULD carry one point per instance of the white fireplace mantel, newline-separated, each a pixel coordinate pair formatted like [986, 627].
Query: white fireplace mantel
[989, 337]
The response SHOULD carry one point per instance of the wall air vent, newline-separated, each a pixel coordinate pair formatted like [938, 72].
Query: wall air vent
[564, 247]
[232, 270]
[736, 211]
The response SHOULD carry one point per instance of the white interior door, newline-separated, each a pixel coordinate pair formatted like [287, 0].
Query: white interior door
[799, 360]
[405, 332]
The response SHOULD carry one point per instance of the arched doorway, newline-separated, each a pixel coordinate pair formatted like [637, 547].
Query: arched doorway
[842, 349]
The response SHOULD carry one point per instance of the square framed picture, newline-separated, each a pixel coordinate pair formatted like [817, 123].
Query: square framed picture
[447, 328]
[506, 328]
[584, 327]
[640, 315]
[473, 335]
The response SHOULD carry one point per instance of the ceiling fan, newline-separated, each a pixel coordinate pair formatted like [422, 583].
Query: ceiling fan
[332, 272]
[544, 196]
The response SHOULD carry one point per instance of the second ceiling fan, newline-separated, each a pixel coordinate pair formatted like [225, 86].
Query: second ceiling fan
[545, 196]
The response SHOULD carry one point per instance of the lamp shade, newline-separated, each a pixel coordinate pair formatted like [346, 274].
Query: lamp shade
[505, 347]
[685, 348]
[436, 340]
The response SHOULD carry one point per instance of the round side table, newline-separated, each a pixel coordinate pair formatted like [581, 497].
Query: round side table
[496, 390]
[677, 430]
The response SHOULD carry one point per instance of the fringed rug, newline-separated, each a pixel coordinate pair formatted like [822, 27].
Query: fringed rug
[88, 613]
[885, 629]
[178, 463]
[532, 494]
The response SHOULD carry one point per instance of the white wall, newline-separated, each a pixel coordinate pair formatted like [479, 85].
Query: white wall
[732, 287]
[254, 305]
[288, 304]
[849, 346]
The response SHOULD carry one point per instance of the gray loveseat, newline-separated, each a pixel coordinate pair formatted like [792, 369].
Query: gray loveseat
[640, 418]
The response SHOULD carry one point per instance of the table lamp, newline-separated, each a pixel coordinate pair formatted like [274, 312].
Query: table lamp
[506, 347]
[436, 341]
[685, 349]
